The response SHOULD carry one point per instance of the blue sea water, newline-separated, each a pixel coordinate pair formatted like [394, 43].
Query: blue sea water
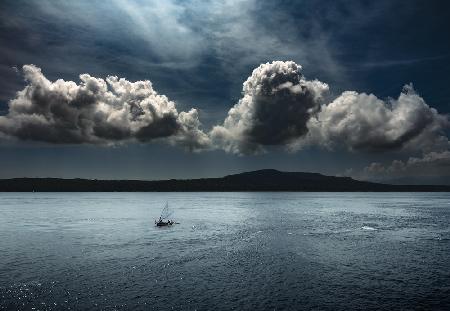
[230, 251]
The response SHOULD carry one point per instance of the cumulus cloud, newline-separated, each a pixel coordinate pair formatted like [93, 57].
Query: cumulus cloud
[276, 105]
[280, 107]
[363, 122]
[97, 111]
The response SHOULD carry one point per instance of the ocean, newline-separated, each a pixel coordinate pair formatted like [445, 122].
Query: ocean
[230, 251]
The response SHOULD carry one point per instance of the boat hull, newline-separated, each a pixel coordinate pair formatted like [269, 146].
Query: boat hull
[163, 224]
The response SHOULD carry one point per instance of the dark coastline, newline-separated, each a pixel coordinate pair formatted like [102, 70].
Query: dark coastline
[262, 180]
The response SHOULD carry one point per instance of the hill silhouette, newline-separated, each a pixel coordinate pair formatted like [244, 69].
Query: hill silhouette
[261, 180]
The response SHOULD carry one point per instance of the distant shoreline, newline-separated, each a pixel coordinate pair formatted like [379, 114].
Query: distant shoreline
[257, 181]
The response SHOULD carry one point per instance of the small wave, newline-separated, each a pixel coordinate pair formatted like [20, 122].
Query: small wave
[368, 228]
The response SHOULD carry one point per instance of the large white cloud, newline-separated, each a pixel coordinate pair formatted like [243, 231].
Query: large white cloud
[97, 111]
[280, 107]
[276, 105]
[364, 122]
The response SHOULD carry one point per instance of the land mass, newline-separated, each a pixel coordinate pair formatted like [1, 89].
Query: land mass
[261, 180]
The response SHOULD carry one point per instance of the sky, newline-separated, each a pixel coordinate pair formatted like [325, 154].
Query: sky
[133, 89]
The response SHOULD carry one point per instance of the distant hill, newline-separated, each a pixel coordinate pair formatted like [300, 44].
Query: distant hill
[262, 180]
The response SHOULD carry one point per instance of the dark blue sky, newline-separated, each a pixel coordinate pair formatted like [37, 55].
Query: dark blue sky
[199, 53]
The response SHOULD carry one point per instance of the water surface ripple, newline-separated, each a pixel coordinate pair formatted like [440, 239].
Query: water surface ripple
[231, 251]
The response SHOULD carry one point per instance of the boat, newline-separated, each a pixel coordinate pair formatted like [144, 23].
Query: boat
[161, 223]
[164, 220]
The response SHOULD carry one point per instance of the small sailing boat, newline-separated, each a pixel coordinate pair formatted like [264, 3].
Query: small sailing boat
[164, 218]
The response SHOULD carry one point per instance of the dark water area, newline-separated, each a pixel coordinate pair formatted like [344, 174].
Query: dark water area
[231, 251]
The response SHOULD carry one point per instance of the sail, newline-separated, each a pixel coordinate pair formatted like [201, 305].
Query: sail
[166, 212]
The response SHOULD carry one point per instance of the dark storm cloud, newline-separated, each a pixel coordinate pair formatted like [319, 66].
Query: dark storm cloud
[276, 105]
[189, 47]
[97, 111]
